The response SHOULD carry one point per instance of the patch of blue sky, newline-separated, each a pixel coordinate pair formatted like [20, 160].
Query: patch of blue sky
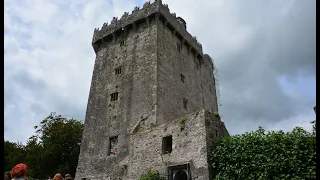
[140, 2]
[305, 86]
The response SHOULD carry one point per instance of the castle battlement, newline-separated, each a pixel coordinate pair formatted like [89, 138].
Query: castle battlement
[156, 8]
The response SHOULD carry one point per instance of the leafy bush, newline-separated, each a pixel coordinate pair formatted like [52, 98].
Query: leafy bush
[150, 175]
[266, 155]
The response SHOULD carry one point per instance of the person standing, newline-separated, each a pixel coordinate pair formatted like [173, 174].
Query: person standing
[58, 176]
[7, 175]
[68, 177]
[19, 172]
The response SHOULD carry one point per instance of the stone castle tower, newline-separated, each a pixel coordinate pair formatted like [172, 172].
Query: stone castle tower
[152, 100]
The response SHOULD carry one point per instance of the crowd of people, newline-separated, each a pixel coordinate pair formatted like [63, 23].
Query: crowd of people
[20, 172]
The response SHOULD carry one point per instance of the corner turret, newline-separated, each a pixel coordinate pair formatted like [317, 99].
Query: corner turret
[182, 22]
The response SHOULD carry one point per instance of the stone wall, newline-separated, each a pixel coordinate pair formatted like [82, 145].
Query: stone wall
[208, 87]
[136, 99]
[171, 90]
[198, 87]
[189, 145]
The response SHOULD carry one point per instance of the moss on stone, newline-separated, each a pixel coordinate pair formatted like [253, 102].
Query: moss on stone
[182, 121]
[216, 114]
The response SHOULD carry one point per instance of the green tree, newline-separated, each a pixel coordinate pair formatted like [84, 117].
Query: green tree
[33, 158]
[54, 148]
[266, 155]
[13, 154]
[60, 139]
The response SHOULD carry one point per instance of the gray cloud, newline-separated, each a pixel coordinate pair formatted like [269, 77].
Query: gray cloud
[49, 59]
[254, 44]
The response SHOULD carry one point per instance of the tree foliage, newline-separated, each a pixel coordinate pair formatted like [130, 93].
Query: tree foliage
[13, 154]
[266, 155]
[55, 147]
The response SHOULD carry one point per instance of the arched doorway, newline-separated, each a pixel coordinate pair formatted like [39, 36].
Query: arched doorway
[181, 175]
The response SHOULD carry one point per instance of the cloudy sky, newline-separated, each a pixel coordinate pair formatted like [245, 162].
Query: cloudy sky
[265, 52]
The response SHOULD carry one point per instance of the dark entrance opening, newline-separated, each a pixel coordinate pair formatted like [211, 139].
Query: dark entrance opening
[181, 175]
[179, 172]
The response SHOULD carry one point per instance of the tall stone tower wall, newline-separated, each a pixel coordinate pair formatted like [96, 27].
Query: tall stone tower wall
[149, 72]
[135, 86]
[179, 57]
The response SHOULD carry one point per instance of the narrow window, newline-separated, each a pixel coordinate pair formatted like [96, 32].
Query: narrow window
[114, 96]
[167, 145]
[179, 47]
[210, 88]
[216, 132]
[185, 103]
[122, 43]
[118, 70]
[182, 78]
[113, 146]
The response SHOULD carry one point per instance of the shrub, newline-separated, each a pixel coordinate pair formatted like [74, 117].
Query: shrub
[266, 155]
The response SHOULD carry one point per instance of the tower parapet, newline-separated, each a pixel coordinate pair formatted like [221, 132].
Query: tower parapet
[182, 22]
[157, 7]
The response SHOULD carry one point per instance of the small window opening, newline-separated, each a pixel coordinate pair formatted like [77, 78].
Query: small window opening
[113, 146]
[167, 145]
[114, 96]
[182, 78]
[179, 47]
[210, 88]
[216, 132]
[122, 42]
[185, 103]
[118, 70]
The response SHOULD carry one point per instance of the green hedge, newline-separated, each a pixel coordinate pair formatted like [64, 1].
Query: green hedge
[266, 155]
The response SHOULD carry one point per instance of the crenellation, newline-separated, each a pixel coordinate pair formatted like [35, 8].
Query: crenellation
[125, 15]
[114, 21]
[147, 10]
[104, 26]
[176, 25]
[146, 4]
